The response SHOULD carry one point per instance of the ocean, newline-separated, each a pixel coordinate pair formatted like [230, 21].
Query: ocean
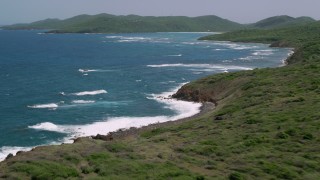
[55, 87]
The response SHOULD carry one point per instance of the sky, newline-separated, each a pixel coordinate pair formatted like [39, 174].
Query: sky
[242, 11]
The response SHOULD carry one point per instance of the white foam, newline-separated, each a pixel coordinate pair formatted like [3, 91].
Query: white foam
[201, 66]
[62, 93]
[248, 58]
[5, 150]
[291, 53]
[91, 93]
[189, 43]
[236, 46]
[175, 55]
[133, 39]
[87, 70]
[83, 102]
[181, 108]
[262, 53]
[126, 39]
[114, 37]
[45, 106]
[48, 126]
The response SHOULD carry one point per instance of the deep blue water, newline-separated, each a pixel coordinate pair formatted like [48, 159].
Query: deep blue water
[54, 86]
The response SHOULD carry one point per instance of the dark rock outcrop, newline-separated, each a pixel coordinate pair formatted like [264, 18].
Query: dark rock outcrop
[187, 94]
[218, 118]
[9, 156]
[108, 137]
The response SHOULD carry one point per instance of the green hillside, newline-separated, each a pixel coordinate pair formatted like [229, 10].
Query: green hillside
[304, 38]
[106, 23]
[266, 125]
[281, 21]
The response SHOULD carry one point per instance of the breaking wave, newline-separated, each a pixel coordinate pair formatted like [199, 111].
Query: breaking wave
[202, 66]
[182, 109]
[91, 93]
[44, 106]
[5, 150]
[83, 102]
[123, 39]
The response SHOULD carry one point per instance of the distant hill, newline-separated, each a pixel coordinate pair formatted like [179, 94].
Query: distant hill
[106, 23]
[281, 21]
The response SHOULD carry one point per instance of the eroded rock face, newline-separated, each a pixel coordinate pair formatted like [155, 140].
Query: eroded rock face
[195, 95]
[214, 88]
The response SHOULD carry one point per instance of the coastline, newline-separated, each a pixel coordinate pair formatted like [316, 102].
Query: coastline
[134, 131]
[122, 132]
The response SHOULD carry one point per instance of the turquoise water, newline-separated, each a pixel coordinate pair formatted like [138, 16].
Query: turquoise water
[58, 86]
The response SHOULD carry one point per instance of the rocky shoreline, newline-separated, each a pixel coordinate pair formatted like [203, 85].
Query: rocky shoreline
[131, 132]
[123, 133]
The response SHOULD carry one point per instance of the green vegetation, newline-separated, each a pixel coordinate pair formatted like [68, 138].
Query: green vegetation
[266, 126]
[304, 38]
[106, 23]
[281, 21]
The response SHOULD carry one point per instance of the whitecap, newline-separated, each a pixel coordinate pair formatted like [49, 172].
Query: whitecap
[263, 53]
[47, 126]
[87, 70]
[62, 93]
[189, 43]
[44, 106]
[201, 66]
[175, 55]
[114, 37]
[83, 101]
[91, 93]
[248, 58]
[133, 39]
[236, 46]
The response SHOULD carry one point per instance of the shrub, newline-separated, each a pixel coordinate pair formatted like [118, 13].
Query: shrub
[45, 170]
[282, 135]
[236, 176]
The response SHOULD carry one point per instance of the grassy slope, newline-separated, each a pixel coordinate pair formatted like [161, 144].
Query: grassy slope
[106, 23]
[270, 129]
